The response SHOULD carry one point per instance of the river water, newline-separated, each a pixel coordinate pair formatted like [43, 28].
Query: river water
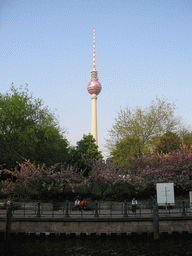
[166, 246]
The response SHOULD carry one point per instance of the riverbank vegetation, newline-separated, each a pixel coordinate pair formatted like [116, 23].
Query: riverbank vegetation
[147, 146]
[104, 182]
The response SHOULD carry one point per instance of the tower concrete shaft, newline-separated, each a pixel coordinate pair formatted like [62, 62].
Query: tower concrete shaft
[94, 118]
[94, 88]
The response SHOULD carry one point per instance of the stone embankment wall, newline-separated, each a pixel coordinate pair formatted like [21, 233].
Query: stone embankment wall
[95, 225]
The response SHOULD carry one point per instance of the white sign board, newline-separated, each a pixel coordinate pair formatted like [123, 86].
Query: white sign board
[190, 198]
[165, 193]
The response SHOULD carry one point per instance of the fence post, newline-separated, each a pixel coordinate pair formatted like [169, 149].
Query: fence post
[8, 222]
[169, 208]
[183, 208]
[111, 208]
[96, 209]
[24, 210]
[66, 209]
[7, 230]
[52, 208]
[125, 209]
[38, 209]
[156, 221]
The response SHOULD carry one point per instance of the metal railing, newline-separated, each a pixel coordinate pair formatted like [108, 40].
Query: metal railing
[96, 209]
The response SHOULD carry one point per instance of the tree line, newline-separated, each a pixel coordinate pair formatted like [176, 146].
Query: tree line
[140, 131]
[105, 181]
[146, 146]
[28, 130]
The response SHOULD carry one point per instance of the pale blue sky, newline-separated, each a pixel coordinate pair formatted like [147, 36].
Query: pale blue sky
[143, 49]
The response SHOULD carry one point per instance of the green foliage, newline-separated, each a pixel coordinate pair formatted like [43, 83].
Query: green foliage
[144, 124]
[187, 139]
[51, 147]
[88, 148]
[28, 130]
[169, 142]
[120, 192]
[149, 192]
[19, 191]
[126, 148]
[84, 154]
[93, 192]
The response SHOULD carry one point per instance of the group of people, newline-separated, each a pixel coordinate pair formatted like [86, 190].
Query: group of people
[80, 204]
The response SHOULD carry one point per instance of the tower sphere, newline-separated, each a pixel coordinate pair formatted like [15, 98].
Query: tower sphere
[94, 87]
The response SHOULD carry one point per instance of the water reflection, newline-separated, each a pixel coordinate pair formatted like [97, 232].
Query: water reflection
[166, 246]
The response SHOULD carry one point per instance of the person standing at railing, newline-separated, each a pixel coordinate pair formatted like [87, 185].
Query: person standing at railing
[134, 205]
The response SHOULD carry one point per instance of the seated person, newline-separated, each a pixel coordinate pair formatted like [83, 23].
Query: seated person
[76, 206]
[2, 205]
[84, 204]
[8, 202]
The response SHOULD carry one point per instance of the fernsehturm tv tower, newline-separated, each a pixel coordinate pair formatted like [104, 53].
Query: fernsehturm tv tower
[94, 88]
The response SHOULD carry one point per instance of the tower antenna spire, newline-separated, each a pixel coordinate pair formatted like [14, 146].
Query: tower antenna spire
[93, 48]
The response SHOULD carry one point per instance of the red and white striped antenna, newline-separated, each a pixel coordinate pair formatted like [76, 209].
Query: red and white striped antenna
[93, 48]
